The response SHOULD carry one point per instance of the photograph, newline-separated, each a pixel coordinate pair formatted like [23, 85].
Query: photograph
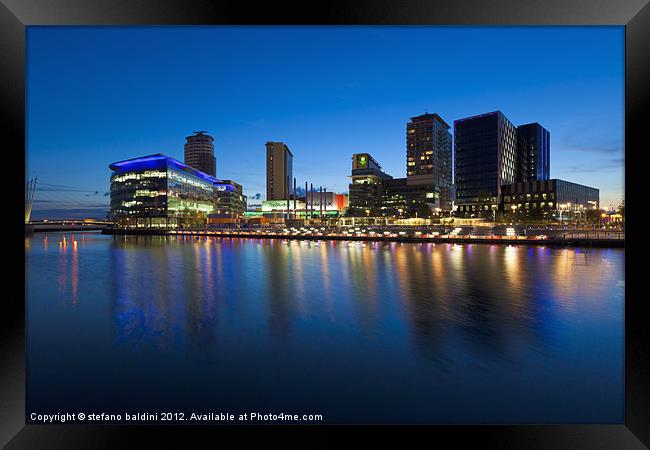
[325, 224]
[274, 226]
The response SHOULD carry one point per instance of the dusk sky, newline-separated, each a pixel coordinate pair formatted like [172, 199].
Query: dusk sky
[96, 95]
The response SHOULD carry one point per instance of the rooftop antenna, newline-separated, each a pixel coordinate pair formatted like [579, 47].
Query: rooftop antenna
[200, 132]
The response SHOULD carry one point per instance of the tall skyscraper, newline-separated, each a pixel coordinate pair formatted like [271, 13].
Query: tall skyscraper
[534, 152]
[279, 167]
[199, 153]
[486, 158]
[428, 156]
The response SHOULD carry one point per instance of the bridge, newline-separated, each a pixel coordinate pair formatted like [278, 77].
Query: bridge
[57, 201]
[68, 225]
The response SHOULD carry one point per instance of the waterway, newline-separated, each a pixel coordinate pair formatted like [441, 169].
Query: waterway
[360, 332]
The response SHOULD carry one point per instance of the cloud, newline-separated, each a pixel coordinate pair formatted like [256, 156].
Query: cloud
[584, 135]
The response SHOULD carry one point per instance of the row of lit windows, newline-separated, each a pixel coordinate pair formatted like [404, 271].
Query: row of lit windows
[119, 178]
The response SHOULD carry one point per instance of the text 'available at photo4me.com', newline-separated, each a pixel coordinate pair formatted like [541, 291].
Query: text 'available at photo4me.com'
[175, 417]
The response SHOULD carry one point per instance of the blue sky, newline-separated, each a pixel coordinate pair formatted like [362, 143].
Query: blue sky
[96, 95]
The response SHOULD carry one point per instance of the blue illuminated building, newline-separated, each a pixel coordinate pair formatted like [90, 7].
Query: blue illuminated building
[158, 191]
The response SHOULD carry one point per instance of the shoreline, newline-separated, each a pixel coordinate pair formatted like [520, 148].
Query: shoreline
[516, 240]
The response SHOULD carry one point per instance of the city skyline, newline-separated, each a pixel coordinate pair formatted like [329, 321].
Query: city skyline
[324, 113]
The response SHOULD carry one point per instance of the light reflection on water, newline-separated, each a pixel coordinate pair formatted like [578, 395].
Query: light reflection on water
[362, 332]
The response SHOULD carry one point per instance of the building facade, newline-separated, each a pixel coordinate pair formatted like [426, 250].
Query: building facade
[375, 193]
[400, 199]
[366, 185]
[429, 157]
[534, 152]
[159, 191]
[485, 149]
[229, 199]
[312, 205]
[549, 196]
[279, 171]
[199, 153]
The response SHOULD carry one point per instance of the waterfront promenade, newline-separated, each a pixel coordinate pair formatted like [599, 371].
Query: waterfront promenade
[468, 234]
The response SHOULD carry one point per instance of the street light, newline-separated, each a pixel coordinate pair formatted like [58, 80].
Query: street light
[561, 207]
[580, 209]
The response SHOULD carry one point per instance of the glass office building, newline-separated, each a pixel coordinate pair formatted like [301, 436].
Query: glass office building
[230, 200]
[549, 195]
[534, 152]
[485, 148]
[400, 199]
[157, 191]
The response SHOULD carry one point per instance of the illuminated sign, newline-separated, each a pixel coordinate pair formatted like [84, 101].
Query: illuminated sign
[281, 205]
[331, 202]
[223, 188]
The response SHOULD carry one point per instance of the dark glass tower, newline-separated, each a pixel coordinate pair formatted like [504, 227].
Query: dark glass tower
[534, 143]
[199, 153]
[485, 148]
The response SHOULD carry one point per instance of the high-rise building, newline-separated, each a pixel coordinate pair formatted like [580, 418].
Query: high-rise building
[199, 153]
[534, 152]
[279, 168]
[486, 158]
[429, 157]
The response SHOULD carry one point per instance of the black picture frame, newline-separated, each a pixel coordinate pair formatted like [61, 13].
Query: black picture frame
[15, 15]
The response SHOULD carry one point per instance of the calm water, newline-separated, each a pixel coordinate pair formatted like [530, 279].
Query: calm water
[358, 332]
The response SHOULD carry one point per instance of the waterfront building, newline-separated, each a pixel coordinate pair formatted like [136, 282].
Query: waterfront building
[402, 200]
[366, 185]
[375, 193]
[534, 152]
[282, 205]
[199, 153]
[159, 191]
[429, 157]
[333, 204]
[549, 197]
[229, 199]
[485, 149]
[279, 171]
